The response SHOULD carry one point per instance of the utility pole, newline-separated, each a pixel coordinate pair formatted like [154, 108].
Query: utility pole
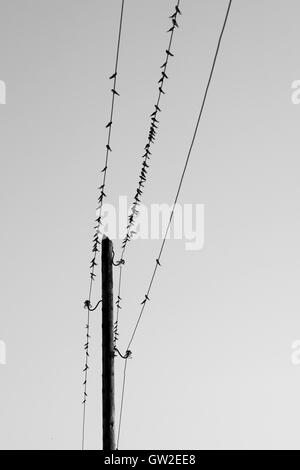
[108, 354]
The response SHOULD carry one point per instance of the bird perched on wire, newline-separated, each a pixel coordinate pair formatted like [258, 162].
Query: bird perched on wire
[169, 53]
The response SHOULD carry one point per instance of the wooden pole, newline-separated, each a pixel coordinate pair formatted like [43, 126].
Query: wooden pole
[108, 383]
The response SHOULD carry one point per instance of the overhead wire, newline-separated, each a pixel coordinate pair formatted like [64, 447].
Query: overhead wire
[97, 236]
[146, 158]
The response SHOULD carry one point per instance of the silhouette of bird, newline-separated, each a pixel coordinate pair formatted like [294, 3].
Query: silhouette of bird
[109, 148]
[158, 262]
[109, 124]
[93, 263]
[145, 300]
[161, 90]
[169, 53]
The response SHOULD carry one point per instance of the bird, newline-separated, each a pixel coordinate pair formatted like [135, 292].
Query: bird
[93, 263]
[158, 262]
[115, 92]
[109, 148]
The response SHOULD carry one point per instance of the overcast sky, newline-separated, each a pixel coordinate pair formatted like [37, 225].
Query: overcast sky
[212, 358]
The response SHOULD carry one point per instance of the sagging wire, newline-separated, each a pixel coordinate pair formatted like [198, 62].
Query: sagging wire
[87, 304]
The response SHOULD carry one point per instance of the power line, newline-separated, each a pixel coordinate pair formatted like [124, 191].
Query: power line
[146, 156]
[157, 261]
[97, 236]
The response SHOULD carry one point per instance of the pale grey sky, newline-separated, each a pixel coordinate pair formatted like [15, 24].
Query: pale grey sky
[211, 367]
